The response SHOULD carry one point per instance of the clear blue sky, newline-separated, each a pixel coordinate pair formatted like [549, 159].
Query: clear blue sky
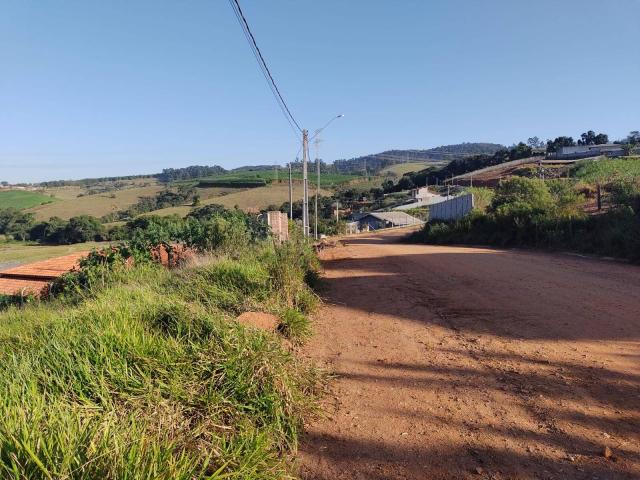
[94, 88]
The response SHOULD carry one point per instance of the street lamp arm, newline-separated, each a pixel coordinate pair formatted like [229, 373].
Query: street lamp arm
[317, 132]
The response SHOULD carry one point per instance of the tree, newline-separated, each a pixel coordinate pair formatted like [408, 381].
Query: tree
[535, 142]
[634, 137]
[15, 223]
[83, 228]
[627, 148]
[555, 145]
[590, 138]
[520, 151]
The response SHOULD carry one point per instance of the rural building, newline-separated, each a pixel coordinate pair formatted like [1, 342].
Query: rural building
[586, 151]
[378, 220]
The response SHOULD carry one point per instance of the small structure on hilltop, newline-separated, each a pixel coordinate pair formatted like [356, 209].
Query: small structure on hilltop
[380, 220]
[586, 151]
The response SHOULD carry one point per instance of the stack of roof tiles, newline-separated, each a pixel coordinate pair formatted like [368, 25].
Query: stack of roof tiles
[35, 278]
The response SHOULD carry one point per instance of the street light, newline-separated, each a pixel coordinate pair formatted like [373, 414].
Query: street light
[316, 133]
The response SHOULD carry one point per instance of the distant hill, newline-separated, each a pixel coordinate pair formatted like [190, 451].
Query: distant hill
[378, 161]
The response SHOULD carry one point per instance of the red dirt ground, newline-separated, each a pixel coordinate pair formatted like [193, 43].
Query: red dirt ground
[455, 363]
[33, 278]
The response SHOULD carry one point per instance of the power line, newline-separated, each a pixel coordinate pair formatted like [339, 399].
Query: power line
[235, 5]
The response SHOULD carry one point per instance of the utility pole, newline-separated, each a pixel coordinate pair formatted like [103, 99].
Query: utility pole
[305, 182]
[317, 145]
[290, 194]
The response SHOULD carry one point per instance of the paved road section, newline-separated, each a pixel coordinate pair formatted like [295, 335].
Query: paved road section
[455, 363]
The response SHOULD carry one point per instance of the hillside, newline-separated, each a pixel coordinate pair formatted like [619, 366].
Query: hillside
[376, 162]
[97, 204]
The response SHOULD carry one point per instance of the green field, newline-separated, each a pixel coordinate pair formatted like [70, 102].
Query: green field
[400, 169]
[24, 252]
[21, 199]
[607, 170]
[258, 178]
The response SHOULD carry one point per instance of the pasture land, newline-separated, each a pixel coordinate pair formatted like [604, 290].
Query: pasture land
[25, 252]
[21, 199]
[97, 205]
[400, 169]
[257, 178]
[253, 199]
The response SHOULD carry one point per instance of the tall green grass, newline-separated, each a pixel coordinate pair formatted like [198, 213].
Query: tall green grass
[149, 377]
[607, 170]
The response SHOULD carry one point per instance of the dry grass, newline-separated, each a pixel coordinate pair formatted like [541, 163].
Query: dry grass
[258, 198]
[96, 205]
[402, 168]
[245, 199]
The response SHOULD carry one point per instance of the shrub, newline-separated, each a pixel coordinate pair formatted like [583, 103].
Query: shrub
[295, 325]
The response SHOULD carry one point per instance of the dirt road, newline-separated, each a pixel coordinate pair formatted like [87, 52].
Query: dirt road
[456, 363]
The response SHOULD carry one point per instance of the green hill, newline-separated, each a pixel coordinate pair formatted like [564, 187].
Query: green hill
[376, 162]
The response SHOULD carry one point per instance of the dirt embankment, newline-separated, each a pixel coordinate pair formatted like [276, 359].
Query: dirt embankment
[458, 363]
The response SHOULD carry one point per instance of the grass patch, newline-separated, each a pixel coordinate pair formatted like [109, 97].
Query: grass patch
[607, 170]
[151, 378]
[23, 252]
[20, 199]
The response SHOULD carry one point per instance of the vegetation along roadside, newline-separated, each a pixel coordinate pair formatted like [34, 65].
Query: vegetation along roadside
[596, 211]
[132, 370]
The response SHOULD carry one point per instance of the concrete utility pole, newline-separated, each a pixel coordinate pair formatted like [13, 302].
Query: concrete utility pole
[290, 194]
[305, 182]
[315, 211]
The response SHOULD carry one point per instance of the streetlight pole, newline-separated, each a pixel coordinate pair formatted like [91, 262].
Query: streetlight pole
[317, 141]
[290, 194]
[305, 182]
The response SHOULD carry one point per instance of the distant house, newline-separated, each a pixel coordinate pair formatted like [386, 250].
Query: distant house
[379, 220]
[586, 151]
